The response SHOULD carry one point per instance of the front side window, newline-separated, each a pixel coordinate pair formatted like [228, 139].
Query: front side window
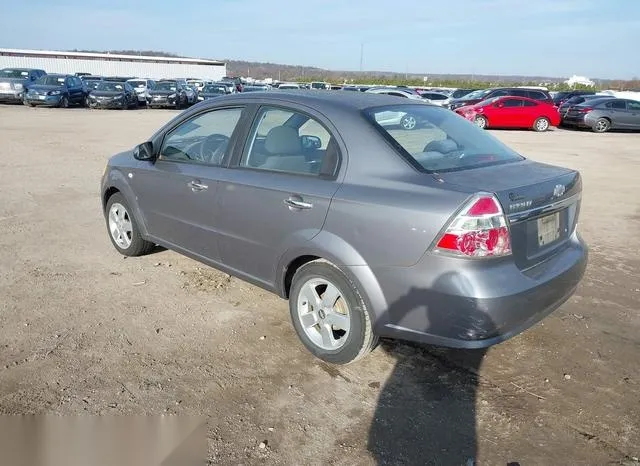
[439, 140]
[635, 106]
[512, 102]
[203, 139]
[291, 142]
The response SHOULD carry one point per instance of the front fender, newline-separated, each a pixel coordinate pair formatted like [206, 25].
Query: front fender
[339, 252]
[115, 178]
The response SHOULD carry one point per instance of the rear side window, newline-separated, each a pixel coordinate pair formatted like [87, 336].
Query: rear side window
[291, 142]
[520, 93]
[617, 104]
[537, 95]
[434, 139]
[528, 103]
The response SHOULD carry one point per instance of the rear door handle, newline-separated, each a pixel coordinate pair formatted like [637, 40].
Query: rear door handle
[297, 203]
[197, 186]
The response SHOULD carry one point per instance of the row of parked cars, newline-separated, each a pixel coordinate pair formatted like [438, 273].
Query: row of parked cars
[35, 87]
[529, 107]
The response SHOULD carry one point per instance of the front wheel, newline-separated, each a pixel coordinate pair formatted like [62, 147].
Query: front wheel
[602, 125]
[123, 228]
[541, 125]
[481, 122]
[64, 102]
[329, 314]
[408, 122]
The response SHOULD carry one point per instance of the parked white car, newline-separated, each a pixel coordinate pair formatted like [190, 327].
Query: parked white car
[142, 86]
[285, 86]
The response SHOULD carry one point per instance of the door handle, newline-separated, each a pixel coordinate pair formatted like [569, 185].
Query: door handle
[297, 203]
[197, 186]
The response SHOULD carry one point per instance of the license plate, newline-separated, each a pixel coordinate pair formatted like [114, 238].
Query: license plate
[42, 97]
[548, 229]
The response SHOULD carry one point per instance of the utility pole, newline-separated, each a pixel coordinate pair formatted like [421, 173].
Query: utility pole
[361, 55]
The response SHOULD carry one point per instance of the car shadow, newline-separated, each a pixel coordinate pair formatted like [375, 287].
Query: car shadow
[426, 411]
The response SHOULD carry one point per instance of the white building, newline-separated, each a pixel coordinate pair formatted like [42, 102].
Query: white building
[105, 64]
[582, 80]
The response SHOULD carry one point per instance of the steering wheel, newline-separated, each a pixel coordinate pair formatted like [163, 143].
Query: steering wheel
[213, 148]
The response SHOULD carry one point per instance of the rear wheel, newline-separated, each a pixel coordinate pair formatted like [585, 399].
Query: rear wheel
[481, 122]
[602, 125]
[409, 122]
[329, 314]
[123, 228]
[541, 124]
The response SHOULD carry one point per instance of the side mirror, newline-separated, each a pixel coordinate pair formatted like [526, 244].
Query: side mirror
[144, 151]
[310, 142]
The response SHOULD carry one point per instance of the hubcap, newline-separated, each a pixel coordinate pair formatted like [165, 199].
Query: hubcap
[120, 225]
[481, 122]
[323, 314]
[542, 125]
[601, 125]
[408, 122]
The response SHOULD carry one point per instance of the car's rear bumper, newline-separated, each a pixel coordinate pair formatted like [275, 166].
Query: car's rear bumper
[464, 303]
[574, 121]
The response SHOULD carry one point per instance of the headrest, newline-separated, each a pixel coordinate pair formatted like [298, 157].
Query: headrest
[283, 140]
[444, 146]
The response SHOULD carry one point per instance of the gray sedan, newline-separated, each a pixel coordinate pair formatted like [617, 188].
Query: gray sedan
[439, 234]
[604, 114]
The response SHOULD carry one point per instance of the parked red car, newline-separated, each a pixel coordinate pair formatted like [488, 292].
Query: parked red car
[511, 112]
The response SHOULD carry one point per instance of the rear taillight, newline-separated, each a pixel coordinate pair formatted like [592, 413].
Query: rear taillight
[479, 230]
[583, 109]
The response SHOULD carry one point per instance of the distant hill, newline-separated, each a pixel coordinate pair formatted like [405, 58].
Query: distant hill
[262, 70]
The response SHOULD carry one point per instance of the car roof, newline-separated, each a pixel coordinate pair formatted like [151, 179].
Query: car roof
[324, 99]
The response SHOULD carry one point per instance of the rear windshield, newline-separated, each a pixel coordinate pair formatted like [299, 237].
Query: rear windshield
[434, 139]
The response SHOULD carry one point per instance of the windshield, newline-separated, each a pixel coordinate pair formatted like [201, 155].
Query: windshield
[109, 86]
[138, 84]
[51, 80]
[318, 85]
[165, 86]
[440, 140]
[9, 73]
[477, 94]
[214, 90]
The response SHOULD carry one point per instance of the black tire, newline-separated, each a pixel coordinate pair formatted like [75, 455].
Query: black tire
[85, 102]
[360, 339]
[602, 125]
[64, 102]
[139, 246]
[409, 122]
[481, 122]
[541, 124]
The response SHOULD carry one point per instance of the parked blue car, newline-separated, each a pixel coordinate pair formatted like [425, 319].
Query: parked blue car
[57, 90]
[14, 82]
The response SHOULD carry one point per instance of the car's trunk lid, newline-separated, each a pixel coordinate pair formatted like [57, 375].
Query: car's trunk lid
[541, 202]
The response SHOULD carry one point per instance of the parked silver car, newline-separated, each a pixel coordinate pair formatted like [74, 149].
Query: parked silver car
[441, 235]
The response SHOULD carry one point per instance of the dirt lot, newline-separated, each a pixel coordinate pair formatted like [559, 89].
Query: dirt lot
[83, 330]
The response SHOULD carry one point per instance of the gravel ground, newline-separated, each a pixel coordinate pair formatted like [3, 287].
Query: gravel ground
[85, 331]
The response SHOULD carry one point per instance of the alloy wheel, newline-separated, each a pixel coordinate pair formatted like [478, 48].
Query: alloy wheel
[120, 226]
[324, 314]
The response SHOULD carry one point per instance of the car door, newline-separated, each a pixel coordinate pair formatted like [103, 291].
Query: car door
[177, 194]
[512, 113]
[616, 111]
[279, 192]
[633, 110]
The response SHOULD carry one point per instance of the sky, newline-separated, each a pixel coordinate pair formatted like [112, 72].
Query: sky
[555, 38]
